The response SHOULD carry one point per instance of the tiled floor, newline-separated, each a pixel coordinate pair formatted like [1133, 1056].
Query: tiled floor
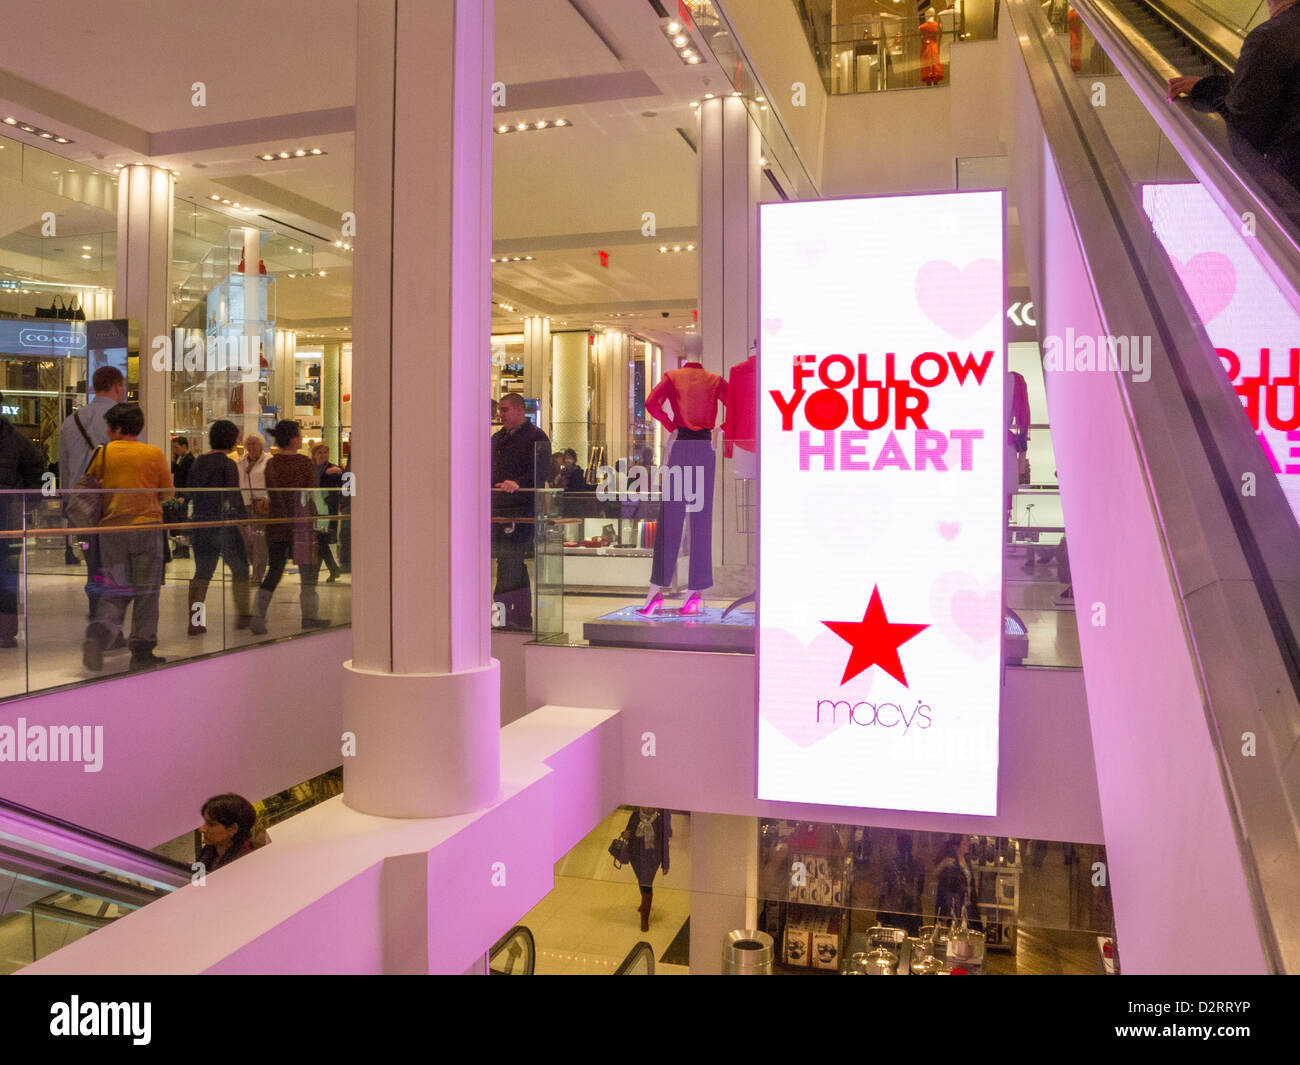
[589, 922]
[51, 632]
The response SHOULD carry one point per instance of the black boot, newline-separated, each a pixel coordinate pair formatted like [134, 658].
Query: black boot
[142, 656]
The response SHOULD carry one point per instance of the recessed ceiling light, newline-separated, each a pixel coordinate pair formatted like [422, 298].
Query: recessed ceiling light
[322, 273]
[502, 129]
[267, 156]
[674, 27]
[214, 196]
[761, 99]
[687, 53]
[695, 103]
[522, 126]
[735, 94]
[539, 125]
[317, 151]
[301, 151]
[679, 40]
[561, 122]
[86, 247]
[693, 59]
[85, 256]
[708, 96]
[284, 155]
[11, 121]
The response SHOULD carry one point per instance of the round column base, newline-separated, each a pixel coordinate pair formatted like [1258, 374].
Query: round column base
[426, 744]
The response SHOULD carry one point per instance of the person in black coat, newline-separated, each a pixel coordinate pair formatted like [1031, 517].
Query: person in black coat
[647, 834]
[216, 470]
[1260, 100]
[954, 896]
[21, 466]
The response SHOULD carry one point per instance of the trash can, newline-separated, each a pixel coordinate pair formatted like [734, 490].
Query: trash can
[747, 952]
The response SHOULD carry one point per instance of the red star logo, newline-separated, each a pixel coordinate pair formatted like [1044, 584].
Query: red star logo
[875, 641]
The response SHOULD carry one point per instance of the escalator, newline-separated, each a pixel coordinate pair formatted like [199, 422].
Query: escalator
[59, 882]
[1146, 222]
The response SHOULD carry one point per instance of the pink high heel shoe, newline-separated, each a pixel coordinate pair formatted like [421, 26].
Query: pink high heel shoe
[652, 608]
[694, 604]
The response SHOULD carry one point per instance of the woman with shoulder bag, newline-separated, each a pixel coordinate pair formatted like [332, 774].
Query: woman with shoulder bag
[647, 834]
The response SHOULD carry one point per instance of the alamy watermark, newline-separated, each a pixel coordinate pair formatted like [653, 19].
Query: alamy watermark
[1129, 354]
[211, 353]
[53, 743]
[672, 484]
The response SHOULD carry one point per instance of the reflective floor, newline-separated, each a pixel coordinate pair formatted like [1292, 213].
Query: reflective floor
[52, 629]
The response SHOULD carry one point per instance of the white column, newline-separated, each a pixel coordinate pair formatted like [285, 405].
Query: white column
[422, 694]
[145, 200]
[537, 366]
[724, 884]
[254, 322]
[282, 383]
[615, 350]
[729, 177]
[569, 394]
[329, 396]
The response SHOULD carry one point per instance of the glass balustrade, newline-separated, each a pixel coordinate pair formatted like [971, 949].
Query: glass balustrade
[83, 601]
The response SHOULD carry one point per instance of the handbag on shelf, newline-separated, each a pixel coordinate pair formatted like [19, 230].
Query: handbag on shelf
[77, 313]
[620, 851]
[52, 311]
[65, 312]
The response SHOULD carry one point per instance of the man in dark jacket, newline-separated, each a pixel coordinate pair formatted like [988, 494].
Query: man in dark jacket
[1260, 101]
[519, 451]
[21, 466]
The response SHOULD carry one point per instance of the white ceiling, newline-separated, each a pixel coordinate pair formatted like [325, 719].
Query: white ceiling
[561, 195]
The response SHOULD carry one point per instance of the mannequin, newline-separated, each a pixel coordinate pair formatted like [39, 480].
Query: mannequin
[694, 394]
[931, 67]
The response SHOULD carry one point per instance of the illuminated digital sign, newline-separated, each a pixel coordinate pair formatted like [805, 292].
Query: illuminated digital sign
[882, 508]
[1253, 326]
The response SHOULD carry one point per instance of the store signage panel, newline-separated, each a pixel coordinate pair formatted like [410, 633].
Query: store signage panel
[880, 537]
[1250, 322]
[49, 338]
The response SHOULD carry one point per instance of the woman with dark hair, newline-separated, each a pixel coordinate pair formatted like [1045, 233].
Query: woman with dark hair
[288, 470]
[954, 898]
[227, 830]
[648, 832]
[215, 470]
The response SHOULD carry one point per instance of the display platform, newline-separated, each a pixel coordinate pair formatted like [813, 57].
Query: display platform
[673, 631]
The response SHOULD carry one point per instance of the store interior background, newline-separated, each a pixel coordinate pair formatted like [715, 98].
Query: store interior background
[589, 305]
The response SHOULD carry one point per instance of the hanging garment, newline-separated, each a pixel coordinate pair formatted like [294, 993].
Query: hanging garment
[740, 428]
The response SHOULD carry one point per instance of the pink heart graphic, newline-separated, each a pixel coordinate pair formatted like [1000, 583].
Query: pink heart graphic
[772, 325]
[949, 529]
[959, 301]
[1210, 281]
[968, 613]
[809, 673]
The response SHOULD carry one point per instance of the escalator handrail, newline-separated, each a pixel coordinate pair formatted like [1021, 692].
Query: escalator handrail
[521, 931]
[78, 845]
[1202, 141]
[1214, 543]
[638, 949]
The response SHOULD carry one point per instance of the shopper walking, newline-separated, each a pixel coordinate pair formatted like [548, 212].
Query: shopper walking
[178, 509]
[21, 466]
[902, 888]
[252, 479]
[131, 562]
[345, 509]
[80, 433]
[954, 897]
[290, 532]
[216, 471]
[329, 481]
[647, 834]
